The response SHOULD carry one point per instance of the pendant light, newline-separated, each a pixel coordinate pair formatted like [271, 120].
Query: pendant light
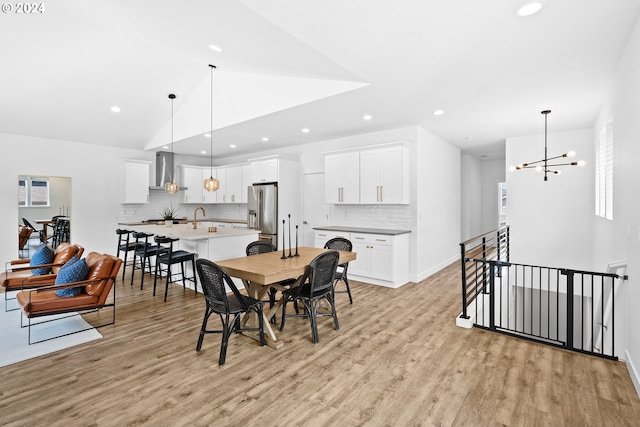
[172, 185]
[211, 183]
[544, 165]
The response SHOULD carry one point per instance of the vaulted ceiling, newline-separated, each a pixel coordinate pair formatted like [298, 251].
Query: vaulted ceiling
[292, 64]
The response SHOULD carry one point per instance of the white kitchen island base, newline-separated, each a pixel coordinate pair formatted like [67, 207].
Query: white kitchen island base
[222, 244]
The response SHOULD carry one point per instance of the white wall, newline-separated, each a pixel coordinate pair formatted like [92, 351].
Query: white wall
[551, 221]
[94, 187]
[438, 204]
[620, 239]
[471, 197]
[493, 172]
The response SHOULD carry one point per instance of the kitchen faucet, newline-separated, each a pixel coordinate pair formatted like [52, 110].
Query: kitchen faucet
[195, 224]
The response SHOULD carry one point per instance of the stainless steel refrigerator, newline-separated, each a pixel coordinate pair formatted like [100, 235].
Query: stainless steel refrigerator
[262, 211]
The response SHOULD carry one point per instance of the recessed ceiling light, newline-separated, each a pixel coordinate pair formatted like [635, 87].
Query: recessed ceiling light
[232, 146]
[367, 117]
[207, 135]
[265, 139]
[115, 109]
[438, 112]
[305, 130]
[203, 152]
[215, 48]
[530, 7]
[166, 147]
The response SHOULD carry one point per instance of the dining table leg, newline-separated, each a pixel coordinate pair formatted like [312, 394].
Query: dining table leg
[257, 291]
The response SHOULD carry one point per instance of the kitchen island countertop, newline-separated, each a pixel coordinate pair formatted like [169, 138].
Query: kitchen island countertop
[187, 232]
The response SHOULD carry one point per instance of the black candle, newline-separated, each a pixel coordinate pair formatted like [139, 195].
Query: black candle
[283, 245]
[290, 255]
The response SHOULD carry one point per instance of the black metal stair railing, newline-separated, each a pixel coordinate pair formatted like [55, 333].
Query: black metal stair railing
[567, 308]
[493, 245]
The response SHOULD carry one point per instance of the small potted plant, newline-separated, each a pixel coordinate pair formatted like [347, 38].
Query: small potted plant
[169, 214]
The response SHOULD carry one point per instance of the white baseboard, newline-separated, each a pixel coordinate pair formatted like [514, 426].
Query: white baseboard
[434, 269]
[633, 373]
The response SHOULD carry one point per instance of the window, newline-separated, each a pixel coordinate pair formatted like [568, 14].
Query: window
[604, 173]
[33, 191]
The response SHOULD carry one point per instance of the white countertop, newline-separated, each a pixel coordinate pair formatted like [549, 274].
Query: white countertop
[187, 232]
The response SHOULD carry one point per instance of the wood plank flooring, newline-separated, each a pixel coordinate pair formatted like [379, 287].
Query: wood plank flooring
[397, 360]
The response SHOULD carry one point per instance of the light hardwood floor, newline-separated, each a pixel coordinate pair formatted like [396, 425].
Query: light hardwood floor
[397, 360]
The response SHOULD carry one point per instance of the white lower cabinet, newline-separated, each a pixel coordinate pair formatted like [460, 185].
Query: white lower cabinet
[323, 237]
[381, 259]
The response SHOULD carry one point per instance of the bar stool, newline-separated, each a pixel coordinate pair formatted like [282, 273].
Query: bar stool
[124, 245]
[171, 257]
[144, 250]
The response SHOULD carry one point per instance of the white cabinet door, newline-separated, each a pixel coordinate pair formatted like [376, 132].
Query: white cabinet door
[342, 178]
[232, 184]
[384, 176]
[209, 196]
[264, 171]
[375, 257]
[361, 265]
[370, 177]
[221, 194]
[192, 179]
[135, 187]
[246, 181]
[381, 256]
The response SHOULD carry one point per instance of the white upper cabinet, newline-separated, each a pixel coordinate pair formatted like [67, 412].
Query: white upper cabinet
[264, 171]
[246, 181]
[384, 175]
[231, 185]
[342, 178]
[135, 181]
[192, 179]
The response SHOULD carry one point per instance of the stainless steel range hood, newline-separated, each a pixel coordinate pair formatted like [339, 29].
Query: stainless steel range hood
[165, 170]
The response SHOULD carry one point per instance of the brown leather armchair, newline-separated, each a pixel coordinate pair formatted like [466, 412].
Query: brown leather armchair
[18, 276]
[94, 295]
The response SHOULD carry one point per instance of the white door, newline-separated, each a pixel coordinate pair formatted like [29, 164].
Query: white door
[315, 212]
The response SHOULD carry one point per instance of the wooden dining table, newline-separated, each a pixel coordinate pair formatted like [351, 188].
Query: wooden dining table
[260, 272]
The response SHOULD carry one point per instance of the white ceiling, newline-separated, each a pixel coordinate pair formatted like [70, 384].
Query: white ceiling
[290, 64]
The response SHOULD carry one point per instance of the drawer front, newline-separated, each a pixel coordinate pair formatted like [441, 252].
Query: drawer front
[378, 239]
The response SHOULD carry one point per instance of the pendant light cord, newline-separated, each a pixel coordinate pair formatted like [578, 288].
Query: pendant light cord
[211, 147]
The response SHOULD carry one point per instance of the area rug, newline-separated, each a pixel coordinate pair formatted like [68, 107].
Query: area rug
[14, 346]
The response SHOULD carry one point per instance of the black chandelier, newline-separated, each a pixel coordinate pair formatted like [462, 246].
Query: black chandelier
[544, 165]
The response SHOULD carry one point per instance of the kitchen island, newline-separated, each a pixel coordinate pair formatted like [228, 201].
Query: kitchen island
[224, 243]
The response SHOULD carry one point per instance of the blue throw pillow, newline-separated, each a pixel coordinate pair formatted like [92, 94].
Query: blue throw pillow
[43, 255]
[72, 271]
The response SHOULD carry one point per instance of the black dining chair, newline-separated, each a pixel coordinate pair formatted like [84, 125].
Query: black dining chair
[316, 285]
[341, 244]
[213, 280]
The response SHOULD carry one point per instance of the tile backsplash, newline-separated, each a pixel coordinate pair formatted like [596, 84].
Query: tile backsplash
[372, 216]
[158, 200]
